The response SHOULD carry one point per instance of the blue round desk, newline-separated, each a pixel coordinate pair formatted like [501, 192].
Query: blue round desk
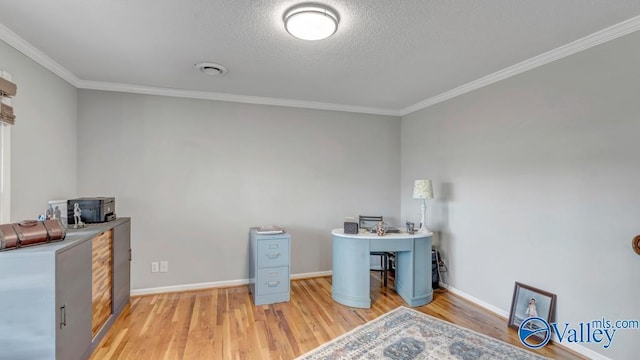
[351, 264]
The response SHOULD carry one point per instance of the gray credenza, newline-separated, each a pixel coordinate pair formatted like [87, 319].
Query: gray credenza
[269, 267]
[48, 294]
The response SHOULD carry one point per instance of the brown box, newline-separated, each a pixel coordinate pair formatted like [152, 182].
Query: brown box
[8, 119]
[8, 237]
[31, 232]
[7, 88]
[6, 110]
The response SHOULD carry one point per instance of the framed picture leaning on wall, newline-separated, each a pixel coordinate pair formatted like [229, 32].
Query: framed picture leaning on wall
[531, 302]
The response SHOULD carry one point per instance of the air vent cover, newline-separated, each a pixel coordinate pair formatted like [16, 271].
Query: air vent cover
[212, 69]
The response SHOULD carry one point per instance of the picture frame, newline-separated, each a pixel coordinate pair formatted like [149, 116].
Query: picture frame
[542, 305]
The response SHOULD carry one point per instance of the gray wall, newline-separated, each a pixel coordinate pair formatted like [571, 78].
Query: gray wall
[43, 141]
[194, 175]
[536, 180]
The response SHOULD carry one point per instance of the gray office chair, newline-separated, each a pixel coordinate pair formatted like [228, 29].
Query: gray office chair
[369, 223]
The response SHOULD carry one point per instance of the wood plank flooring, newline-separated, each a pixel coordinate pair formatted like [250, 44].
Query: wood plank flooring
[223, 323]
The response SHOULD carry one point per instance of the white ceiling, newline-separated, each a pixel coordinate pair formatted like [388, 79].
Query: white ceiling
[388, 56]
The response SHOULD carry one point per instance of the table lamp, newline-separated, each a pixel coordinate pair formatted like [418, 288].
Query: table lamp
[422, 189]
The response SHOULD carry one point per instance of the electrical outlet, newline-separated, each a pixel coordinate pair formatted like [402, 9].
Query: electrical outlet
[164, 266]
[154, 267]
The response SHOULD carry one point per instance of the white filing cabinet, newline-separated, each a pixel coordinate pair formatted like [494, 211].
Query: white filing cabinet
[269, 269]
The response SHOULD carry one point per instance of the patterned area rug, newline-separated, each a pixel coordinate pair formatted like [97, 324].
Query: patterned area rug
[405, 334]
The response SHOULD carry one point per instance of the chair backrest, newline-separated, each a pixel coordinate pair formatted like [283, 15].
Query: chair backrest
[368, 222]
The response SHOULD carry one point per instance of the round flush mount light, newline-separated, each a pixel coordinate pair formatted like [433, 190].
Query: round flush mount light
[311, 21]
[211, 69]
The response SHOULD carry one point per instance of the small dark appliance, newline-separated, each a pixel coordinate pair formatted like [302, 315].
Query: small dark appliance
[93, 209]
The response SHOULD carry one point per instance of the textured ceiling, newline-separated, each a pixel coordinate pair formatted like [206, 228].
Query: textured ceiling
[386, 54]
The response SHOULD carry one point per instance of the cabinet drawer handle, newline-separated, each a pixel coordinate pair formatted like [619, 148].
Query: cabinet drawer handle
[273, 256]
[63, 316]
[273, 283]
[273, 246]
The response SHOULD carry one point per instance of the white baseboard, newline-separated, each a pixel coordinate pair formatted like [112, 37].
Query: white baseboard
[571, 346]
[216, 284]
[476, 301]
[189, 287]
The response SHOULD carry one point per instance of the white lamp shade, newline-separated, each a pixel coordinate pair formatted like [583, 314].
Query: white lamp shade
[311, 22]
[422, 189]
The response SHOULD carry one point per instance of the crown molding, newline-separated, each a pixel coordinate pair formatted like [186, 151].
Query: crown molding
[589, 41]
[206, 95]
[48, 63]
[36, 55]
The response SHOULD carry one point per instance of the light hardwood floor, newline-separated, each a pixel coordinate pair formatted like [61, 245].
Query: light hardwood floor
[223, 323]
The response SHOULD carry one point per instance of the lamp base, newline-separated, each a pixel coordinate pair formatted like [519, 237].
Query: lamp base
[423, 222]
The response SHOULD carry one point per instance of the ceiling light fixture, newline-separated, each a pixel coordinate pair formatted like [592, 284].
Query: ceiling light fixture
[311, 22]
[212, 69]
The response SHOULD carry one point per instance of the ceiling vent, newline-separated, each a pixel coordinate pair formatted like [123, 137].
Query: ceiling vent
[211, 69]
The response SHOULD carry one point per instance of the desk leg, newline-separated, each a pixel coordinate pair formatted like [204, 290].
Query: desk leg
[350, 282]
[413, 273]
